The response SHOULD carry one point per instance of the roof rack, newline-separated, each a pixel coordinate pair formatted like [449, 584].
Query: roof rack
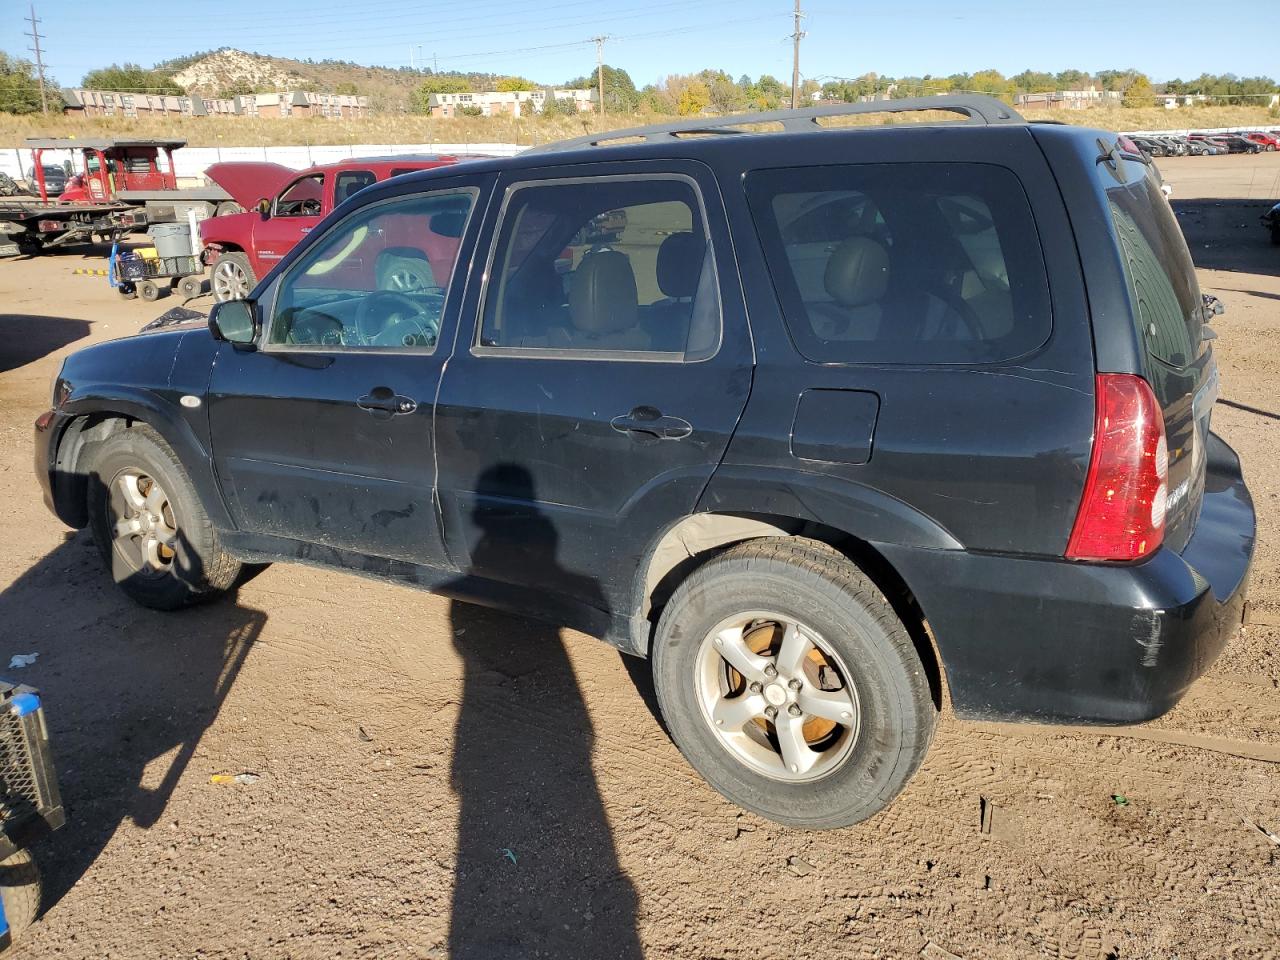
[972, 109]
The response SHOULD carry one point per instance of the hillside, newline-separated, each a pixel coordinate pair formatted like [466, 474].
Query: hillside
[223, 72]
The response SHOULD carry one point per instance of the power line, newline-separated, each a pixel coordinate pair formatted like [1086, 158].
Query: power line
[36, 37]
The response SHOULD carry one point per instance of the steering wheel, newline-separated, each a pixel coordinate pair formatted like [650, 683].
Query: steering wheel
[309, 208]
[388, 318]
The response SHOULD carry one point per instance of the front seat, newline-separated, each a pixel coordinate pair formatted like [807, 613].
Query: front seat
[603, 305]
[856, 279]
[678, 269]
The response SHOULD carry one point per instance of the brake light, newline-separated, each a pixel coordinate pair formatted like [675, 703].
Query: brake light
[1122, 510]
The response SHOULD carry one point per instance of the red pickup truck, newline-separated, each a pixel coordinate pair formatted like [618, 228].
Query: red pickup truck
[284, 206]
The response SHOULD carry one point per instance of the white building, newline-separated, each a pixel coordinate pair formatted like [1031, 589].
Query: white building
[514, 103]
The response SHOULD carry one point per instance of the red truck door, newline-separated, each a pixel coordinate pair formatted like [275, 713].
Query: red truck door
[294, 213]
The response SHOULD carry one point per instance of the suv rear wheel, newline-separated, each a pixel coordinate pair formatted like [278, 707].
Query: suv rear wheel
[149, 524]
[791, 685]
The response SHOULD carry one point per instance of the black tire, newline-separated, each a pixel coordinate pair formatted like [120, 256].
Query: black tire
[150, 291]
[20, 890]
[821, 588]
[196, 567]
[191, 287]
[127, 291]
[231, 262]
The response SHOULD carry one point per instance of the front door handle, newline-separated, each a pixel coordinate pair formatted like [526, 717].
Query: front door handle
[650, 422]
[384, 403]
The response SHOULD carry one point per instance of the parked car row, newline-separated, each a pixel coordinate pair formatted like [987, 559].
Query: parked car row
[1207, 144]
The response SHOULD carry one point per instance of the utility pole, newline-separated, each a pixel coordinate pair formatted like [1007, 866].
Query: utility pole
[35, 39]
[796, 37]
[599, 42]
[435, 64]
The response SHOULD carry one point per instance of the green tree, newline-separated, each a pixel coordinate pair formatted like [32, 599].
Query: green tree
[347, 88]
[991, 82]
[620, 94]
[514, 85]
[726, 96]
[1034, 81]
[553, 107]
[20, 89]
[1139, 93]
[1071, 80]
[131, 78]
[420, 98]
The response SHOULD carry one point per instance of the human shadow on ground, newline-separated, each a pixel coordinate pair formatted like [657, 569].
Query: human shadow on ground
[537, 872]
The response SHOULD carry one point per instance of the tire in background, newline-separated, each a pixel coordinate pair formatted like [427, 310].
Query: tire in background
[20, 890]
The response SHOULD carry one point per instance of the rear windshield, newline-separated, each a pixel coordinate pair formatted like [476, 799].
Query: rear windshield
[1162, 279]
[904, 262]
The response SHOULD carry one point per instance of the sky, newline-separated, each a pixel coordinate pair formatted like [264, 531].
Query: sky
[549, 40]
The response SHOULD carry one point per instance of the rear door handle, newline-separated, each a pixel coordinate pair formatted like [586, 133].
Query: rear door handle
[651, 422]
[384, 403]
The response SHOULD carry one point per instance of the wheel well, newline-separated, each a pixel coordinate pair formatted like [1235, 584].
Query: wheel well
[69, 466]
[701, 537]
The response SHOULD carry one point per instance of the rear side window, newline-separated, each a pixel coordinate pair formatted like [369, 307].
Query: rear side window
[350, 181]
[1158, 266]
[603, 267]
[904, 262]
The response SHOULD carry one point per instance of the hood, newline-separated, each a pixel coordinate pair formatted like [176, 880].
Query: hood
[179, 318]
[250, 180]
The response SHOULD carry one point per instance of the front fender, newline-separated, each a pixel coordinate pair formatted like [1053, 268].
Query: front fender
[92, 402]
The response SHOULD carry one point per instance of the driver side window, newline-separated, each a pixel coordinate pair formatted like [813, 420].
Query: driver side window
[377, 280]
[302, 198]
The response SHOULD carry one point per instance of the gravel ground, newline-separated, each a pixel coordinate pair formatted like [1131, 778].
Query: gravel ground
[441, 780]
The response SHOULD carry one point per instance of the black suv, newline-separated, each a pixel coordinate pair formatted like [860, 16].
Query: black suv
[812, 418]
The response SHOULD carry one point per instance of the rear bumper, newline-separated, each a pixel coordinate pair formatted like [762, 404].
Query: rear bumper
[1062, 642]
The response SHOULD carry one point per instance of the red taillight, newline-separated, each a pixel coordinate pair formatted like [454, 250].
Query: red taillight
[1122, 511]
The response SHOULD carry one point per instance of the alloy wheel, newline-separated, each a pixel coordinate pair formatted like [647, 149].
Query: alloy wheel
[229, 282]
[145, 534]
[777, 696]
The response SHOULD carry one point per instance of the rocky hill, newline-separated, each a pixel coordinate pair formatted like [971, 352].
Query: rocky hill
[227, 69]
[227, 72]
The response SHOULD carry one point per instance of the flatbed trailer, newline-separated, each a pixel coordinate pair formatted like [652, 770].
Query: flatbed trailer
[29, 225]
[129, 171]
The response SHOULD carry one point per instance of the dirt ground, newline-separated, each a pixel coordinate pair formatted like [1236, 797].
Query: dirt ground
[438, 780]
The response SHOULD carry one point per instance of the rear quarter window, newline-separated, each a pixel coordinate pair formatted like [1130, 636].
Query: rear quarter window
[1157, 264]
[903, 262]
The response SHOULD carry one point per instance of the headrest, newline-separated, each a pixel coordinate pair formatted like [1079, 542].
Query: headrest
[857, 272]
[679, 264]
[602, 294]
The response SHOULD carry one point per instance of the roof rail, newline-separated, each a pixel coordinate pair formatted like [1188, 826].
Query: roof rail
[972, 109]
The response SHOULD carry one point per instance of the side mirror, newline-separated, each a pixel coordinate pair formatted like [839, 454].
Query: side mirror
[235, 321]
[264, 207]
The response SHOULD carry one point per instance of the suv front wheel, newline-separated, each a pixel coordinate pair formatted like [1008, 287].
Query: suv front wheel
[790, 684]
[149, 524]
